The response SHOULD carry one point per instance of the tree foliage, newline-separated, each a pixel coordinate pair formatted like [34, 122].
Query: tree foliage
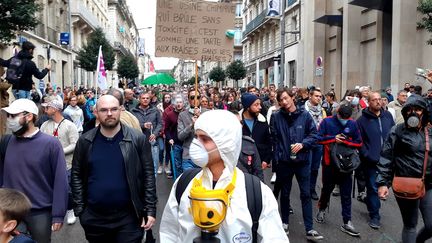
[17, 15]
[236, 70]
[425, 7]
[217, 74]
[191, 81]
[127, 67]
[88, 55]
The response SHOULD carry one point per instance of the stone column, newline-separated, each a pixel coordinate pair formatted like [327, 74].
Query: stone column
[403, 56]
[350, 46]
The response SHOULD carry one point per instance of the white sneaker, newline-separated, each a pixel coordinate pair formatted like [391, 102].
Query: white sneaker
[70, 217]
[167, 170]
[273, 178]
[286, 228]
[160, 169]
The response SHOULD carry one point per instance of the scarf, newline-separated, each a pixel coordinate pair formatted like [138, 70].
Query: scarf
[315, 112]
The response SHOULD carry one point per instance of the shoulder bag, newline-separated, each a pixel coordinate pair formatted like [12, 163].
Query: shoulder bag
[409, 187]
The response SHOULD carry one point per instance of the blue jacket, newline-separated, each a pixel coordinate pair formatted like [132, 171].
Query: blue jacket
[290, 128]
[330, 127]
[374, 131]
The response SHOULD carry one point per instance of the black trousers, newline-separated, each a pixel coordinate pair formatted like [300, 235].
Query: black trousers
[112, 226]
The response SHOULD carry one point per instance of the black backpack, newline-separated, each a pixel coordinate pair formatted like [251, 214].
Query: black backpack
[15, 70]
[344, 157]
[253, 194]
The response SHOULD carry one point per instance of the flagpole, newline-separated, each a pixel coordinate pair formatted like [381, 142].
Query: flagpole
[196, 84]
[97, 72]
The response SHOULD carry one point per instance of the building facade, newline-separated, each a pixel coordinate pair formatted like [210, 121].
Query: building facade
[262, 42]
[374, 43]
[79, 18]
[122, 33]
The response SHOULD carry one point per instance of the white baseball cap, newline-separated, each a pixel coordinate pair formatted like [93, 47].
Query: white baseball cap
[22, 105]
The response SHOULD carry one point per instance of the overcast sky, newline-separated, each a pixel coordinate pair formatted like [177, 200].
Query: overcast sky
[144, 13]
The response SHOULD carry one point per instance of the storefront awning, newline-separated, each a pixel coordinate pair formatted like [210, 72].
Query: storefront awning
[382, 5]
[332, 20]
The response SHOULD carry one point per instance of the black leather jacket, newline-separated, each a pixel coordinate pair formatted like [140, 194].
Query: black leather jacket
[136, 152]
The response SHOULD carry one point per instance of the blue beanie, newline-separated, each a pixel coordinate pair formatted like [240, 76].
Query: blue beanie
[247, 99]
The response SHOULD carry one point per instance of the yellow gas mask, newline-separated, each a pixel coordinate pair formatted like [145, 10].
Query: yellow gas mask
[209, 207]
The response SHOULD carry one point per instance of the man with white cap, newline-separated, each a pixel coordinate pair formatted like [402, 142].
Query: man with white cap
[216, 150]
[67, 134]
[34, 163]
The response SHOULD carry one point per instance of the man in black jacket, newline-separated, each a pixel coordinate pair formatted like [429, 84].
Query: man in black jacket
[29, 69]
[255, 126]
[113, 182]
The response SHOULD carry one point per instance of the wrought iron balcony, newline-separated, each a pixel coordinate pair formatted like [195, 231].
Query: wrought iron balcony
[255, 23]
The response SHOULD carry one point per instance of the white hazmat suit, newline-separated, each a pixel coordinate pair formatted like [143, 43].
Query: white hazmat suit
[177, 224]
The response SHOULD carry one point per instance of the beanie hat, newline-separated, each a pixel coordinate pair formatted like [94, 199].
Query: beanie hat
[247, 99]
[345, 111]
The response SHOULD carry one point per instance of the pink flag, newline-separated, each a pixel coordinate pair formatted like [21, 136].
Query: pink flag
[101, 73]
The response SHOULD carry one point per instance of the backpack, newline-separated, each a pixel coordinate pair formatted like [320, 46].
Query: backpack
[253, 194]
[344, 157]
[15, 70]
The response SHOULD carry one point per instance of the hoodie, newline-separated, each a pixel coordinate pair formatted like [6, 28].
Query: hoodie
[177, 223]
[374, 131]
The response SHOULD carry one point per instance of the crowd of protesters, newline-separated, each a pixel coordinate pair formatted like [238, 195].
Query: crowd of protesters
[291, 131]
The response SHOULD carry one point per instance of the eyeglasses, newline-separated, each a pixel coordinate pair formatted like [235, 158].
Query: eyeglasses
[15, 115]
[106, 110]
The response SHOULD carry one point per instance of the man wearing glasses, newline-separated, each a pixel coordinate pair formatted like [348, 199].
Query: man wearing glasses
[113, 182]
[34, 163]
[185, 127]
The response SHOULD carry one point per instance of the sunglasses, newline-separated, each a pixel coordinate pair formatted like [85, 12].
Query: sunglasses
[193, 97]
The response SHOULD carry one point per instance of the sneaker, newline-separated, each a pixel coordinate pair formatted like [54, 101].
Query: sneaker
[70, 217]
[320, 217]
[349, 229]
[291, 211]
[286, 228]
[313, 235]
[273, 178]
[336, 191]
[159, 171]
[362, 197]
[375, 223]
[167, 170]
[314, 195]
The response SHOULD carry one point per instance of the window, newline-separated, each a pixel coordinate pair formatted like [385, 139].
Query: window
[292, 73]
[237, 37]
[239, 10]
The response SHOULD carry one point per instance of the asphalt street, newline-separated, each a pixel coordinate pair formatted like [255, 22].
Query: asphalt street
[390, 231]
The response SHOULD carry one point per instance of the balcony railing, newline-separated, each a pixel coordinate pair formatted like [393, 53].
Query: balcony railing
[256, 22]
[79, 9]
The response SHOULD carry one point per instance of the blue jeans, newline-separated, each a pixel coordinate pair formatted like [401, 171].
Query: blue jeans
[285, 174]
[188, 164]
[315, 161]
[409, 210]
[155, 155]
[23, 94]
[161, 144]
[330, 177]
[372, 200]
[15, 93]
[178, 152]
[38, 225]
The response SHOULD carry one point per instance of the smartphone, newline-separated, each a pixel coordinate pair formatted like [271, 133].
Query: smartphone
[421, 72]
